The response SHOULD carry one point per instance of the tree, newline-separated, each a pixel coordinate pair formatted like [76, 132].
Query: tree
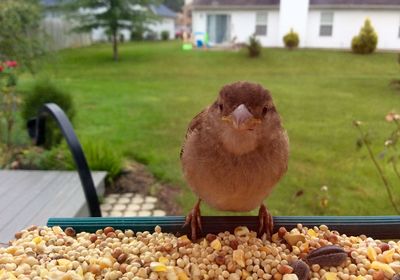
[365, 42]
[254, 47]
[20, 33]
[111, 15]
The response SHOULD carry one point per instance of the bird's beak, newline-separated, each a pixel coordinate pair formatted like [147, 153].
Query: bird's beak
[240, 115]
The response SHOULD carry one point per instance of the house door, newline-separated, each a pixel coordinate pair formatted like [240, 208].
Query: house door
[218, 28]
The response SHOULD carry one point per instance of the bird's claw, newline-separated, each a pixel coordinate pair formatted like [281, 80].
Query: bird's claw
[266, 223]
[194, 219]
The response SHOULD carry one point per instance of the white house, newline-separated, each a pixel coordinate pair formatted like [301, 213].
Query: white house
[319, 23]
[59, 28]
[166, 22]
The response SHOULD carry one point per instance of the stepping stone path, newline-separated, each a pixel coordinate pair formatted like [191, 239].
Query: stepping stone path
[130, 205]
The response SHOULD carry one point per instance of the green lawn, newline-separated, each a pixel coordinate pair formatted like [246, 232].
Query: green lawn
[142, 105]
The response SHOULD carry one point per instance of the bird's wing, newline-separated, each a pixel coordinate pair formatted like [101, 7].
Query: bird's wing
[194, 126]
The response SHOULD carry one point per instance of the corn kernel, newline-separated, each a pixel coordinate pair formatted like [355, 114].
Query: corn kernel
[183, 238]
[11, 250]
[105, 262]
[388, 255]
[293, 238]
[158, 267]
[79, 271]
[44, 273]
[216, 244]
[7, 275]
[304, 247]
[181, 274]
[63, 262]
[312, 233]
[359, 277]
[37, 240]
[171, 274]
[245, 274]
[265, 249]
[371, 253]
[57, 230]
[238, 257]
[330, 276]
[382, 266]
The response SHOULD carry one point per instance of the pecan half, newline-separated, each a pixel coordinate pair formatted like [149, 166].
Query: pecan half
[327, 256]
[301, 269]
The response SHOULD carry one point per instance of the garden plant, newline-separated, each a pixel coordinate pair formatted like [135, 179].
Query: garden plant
[365, 42]
[291, 40]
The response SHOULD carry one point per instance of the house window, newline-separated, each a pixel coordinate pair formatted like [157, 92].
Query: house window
[326, 26]
[261, 23]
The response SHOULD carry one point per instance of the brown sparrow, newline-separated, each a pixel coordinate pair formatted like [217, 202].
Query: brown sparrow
[235, 152]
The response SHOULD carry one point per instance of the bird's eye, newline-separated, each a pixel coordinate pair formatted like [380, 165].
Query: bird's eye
[264, 111]
[221, 107]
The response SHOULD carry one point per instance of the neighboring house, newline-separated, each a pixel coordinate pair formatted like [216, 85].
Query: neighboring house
[319, 23]
[165, 22]
[58, 29]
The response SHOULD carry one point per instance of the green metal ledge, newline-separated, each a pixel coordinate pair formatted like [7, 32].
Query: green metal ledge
[378, 227]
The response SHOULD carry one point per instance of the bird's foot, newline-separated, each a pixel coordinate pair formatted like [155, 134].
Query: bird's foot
[266, 223]
[194, 219]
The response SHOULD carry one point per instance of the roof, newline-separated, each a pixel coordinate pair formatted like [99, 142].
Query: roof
[236, 2]
[49, 3]
[162, 11]
[356, 2]
[331, 3]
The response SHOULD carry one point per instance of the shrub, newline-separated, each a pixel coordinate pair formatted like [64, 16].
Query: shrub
[21, 37]
[254, 46]
[121, 38]
[137, 35]
[164, 35]
[291, 40]
[36, 158]
[101, 156]
[150, 35]
[45, 91]
[138, 31]
[365, 42]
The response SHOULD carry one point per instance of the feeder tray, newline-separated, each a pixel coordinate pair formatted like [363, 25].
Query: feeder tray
[377, 227]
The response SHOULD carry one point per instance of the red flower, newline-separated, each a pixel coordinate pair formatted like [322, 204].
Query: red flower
[1, 68]
[11, 63]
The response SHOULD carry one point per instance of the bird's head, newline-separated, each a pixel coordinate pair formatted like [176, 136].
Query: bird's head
[246, 114]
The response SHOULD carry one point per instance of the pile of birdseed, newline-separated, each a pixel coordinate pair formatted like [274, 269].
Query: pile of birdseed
[301, 253]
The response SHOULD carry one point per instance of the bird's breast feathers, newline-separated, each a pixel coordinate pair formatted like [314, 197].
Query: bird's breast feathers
[228, 181]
